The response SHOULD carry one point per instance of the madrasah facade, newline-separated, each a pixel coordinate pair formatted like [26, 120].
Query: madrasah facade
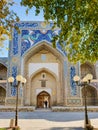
[47, 70]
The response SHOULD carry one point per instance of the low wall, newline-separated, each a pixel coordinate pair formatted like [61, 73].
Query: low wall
[20, 109]
[74, 109]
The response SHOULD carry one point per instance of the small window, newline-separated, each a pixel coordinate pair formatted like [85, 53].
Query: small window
[43, 76]
[43, 83]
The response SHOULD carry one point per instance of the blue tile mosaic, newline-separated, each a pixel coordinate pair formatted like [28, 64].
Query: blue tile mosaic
[15, 42]
[14, 73]
[31, 36]
[27, 24]
[73, 84]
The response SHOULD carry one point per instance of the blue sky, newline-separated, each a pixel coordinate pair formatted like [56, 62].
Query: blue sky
[20, 10]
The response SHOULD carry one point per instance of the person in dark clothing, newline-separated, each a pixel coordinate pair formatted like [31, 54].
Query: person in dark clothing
[45, 103]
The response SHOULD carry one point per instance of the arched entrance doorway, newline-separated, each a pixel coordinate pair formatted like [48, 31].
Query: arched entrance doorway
[2, 95]
[3, 72]
[91, 94]
[41, 98]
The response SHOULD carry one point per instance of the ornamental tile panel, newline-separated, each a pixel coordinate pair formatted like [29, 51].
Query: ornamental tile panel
[33, 33]
[14, 73]
[15, 42]
[72, 83]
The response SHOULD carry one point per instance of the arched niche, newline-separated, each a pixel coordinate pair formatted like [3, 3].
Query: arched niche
[36, 87]
[91, 95]
[87, 68]
[42, 45]
[42, 48]
[3, 72]
[43, 70]
[2, 95]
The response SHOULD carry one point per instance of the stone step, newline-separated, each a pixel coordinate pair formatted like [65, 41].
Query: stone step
[43, 109]
[11, 109]
[54, 109]
[74, 109]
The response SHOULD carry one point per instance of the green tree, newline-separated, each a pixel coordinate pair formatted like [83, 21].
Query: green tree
[7, 18]
[78, 21]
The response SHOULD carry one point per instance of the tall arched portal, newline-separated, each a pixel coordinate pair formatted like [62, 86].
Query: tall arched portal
[43, 69]
[41, 98]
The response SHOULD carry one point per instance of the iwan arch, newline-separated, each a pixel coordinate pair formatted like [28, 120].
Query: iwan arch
[48, 72]
[43, 60]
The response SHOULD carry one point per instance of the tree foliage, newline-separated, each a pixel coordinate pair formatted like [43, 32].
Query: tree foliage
[78, 21]
[7, 18]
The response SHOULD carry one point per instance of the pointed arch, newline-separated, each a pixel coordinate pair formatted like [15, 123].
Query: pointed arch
[3, 64]
[32, 67]
[44, 70]
[43, 97]
[43, 45]
[38, 89]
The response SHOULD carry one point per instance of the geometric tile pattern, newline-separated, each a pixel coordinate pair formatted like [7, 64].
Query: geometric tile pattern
[72, 83]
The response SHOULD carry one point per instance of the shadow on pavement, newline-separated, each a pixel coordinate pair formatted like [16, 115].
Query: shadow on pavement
[50, 116]
[65, 128]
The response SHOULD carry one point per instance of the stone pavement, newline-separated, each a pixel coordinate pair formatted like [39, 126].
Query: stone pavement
[47, 120]
[41, 124]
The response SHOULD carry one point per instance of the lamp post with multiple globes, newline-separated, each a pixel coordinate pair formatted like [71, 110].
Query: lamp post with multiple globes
[19, 79]
[84, 82]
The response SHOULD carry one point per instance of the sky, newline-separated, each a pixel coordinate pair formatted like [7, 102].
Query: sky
[21, 12]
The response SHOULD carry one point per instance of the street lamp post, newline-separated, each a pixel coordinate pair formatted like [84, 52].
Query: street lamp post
[19, 80]
[84, 82]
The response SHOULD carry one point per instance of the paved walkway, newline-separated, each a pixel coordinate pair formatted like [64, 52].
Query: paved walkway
[41, 124]
[47, 120]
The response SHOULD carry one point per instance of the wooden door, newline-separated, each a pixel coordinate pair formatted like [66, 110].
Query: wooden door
[41, 98]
